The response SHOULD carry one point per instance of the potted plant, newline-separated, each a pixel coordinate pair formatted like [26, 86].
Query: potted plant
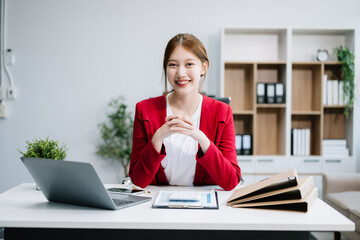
[346, 57]
[44, 148]
[116, 134]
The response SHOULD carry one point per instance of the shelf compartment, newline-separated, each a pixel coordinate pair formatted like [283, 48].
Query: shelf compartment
[334, 122]
[312, 122]
[254, 44]
[270, 131]
[271, 73]
[333, 70]
[243, 124]
[239, 85]
[306, 86]
[305, 43]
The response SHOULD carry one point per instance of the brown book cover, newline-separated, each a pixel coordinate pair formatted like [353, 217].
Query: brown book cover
[284, 180]
[296, 192]
[301, 205]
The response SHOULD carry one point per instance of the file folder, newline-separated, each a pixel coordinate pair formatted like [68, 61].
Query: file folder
[260, 93]
[238, 144]
[270, 93]
[279, 92]
[247, 144]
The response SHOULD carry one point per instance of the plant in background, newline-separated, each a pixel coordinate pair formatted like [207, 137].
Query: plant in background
[346, 57]
[116, 134]
[45, 148]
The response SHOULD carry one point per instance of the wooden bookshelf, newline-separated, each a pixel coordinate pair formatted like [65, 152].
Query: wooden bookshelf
[263, 121]
[287, 56]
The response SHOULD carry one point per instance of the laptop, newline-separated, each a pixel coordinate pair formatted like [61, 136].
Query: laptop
[76, 183]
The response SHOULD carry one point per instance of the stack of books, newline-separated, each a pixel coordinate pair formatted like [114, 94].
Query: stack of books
[300, 142]
[283, 191]
[333, 92]
[334, 147]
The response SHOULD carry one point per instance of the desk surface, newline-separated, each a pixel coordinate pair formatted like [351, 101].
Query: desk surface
[23, 206]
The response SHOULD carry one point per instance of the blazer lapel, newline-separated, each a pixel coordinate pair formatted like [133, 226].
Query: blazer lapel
[211, 125]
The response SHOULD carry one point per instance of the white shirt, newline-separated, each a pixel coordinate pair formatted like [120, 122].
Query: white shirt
[180, 161]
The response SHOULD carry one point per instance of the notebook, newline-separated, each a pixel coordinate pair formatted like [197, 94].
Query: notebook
[204, 199]
[76, 183]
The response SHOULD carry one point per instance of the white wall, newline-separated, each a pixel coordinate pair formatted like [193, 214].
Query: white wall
[73, 56]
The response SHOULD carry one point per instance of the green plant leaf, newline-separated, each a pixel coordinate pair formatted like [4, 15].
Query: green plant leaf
[116, 133]
[45, 148]
[346, 57]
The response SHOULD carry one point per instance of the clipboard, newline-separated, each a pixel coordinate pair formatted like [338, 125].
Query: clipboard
[207, 200]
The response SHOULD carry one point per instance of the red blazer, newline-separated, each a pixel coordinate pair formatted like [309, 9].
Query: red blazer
[219, 164]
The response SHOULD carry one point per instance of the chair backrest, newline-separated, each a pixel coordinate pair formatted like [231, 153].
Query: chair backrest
[227, 101]
[223, 99]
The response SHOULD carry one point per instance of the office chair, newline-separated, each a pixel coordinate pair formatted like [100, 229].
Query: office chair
[223, 99]
[227, 101]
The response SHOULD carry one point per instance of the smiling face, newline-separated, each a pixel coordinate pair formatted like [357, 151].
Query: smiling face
[184, 71]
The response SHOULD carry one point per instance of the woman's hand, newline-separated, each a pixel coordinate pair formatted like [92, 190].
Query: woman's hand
[182, 124]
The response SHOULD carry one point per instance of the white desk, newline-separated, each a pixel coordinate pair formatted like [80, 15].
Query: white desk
[24, 207]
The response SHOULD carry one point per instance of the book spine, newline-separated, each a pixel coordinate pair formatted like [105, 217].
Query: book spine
[247, 144]
[329, 93]
[260, 93]
[307, 137]
[279, 92]
[238, 144]
[270, 93]
[324, 91]
[335, 92]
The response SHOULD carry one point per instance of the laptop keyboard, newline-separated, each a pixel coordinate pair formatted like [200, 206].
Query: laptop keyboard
[121, 203]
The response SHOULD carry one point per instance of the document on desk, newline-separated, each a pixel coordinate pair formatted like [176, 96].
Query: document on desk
[187, 199]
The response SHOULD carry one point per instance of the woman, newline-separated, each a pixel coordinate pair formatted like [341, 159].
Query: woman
[183, 137]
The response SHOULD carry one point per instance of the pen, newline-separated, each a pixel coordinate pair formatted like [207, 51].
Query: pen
[145, 191]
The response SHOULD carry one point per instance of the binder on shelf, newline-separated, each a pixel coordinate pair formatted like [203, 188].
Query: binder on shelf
[283, 191]
[260, 93]
[324, 85]
[279, 93]
[307, 142]
[298, 142]
[247, 144]
[329, 93]
[238, 144]
[335, 85]
[270, 93]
